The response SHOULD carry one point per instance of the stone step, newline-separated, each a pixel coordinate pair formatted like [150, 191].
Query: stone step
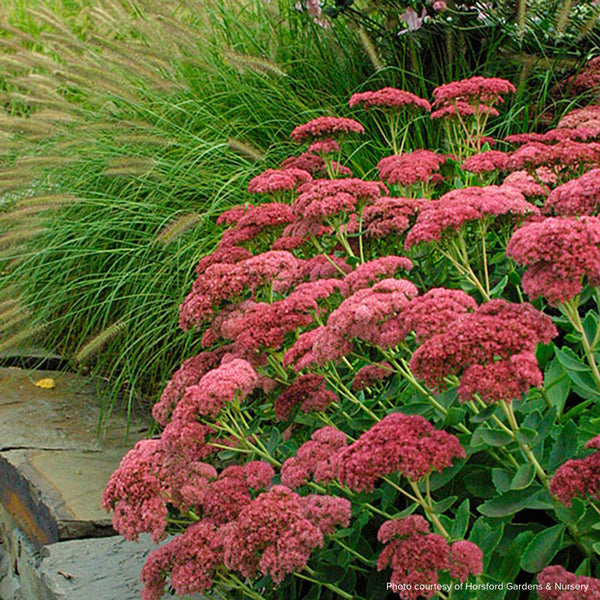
[53, 470]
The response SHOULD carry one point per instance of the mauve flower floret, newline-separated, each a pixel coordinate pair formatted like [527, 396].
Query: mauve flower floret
[190, 373]
[388, 97]
[308, 393]
[370, 374]
[486, 90]
[526, 184]
[587, 117]
[485, 162]
[496, 331]
[560, 252]
[561, 156]
[578, 478]
[137, 492]
[272, 536]
[366, 274]
[317, 458]
[405, 444]
[326, 146]
[389, 216]
[434, 312]
[466, 558]
[325, 197]
[412, 167]
[278, 180]
[327, 512]
[326, 127]
[191, 558]
[559, 584]
[457, 207]
[371, 314]
[416, 556]
[580, 196]
[235, 379]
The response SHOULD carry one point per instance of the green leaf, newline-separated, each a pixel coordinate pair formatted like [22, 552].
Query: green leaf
[485, 414]
[590, 326]
[523, 477]
[527, 436]
[557, 385]
[501, 479]
[444, 505]
[542, 548]
[487, 537]
[497, 290]
[495, 437]
[513, 501]
[564, 447]
[461, 521]
[569, 360]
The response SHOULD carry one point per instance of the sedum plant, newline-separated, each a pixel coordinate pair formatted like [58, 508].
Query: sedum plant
[398, 390]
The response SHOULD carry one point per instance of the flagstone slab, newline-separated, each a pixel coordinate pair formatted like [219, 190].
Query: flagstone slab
[53, 464]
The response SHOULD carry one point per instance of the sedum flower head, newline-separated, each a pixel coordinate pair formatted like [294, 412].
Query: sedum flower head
[405, 444]
[326, 127]
[560, 252]
[416, 557]
[388, 97]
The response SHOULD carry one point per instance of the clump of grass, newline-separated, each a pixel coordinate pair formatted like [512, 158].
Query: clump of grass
[128, 129]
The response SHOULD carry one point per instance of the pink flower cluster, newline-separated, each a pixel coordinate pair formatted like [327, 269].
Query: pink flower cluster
[191, 558]
[580, 196]
[457, 207]
[559, 584]
[389, 216]
[416, 556]
[389, 98]
[369, 314]
[405, 444]
[578, 478]
[368, 273]
[370, 374]
[586, 117]
[222, 282]
[325, 197]
[485, 162]
[308, 393]
[326, 127]
[476, 95]
[138, 493]
[275, 534]
[562, 157]
[412, 167]
[492, 348]
[317, 458]
[560, 252]
[274, 180]
[250, 221]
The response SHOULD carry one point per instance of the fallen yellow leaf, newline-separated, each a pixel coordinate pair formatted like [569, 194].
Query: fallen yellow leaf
[45, 384]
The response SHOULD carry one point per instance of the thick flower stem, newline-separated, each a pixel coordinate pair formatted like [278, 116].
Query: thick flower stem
[344, 391]
[466, 271]
[404, 369]
[428, 508]
[529, 455]
[334, 588]
[483, 230]
[570, 310]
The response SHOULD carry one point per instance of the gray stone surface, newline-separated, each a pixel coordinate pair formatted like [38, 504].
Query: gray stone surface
[53, 470]
[53, 464]
[94, 569]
